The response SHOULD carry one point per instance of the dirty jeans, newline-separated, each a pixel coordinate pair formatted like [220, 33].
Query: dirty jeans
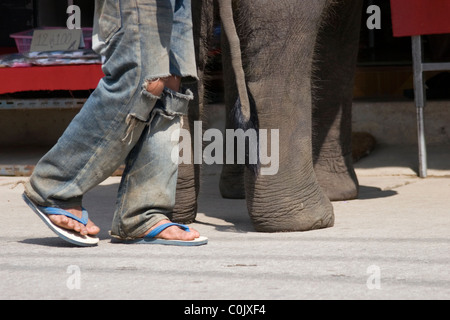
[121, 122]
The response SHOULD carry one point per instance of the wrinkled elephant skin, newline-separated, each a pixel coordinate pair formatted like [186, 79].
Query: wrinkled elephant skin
[299, 59]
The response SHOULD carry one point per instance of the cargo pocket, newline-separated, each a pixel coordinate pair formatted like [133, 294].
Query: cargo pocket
[174, 104]
[140, 113]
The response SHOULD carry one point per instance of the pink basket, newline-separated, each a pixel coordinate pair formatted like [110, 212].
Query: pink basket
[23, 39]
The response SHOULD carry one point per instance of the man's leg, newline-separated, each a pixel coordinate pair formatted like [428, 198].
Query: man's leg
[99, 138]
[109, 126]
[148, 186]
[151, 188]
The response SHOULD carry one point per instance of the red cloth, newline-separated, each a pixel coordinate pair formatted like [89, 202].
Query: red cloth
[73, 77]
[419, 17]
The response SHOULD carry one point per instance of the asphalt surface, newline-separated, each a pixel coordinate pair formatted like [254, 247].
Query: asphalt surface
[392, 243]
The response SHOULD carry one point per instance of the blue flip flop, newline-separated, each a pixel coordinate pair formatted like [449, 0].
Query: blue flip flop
[67, 235]
[151, 237]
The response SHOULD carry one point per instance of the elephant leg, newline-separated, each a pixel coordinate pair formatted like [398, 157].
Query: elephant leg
[188, 183]
[231, 183]
[336, 56]
[278, 48]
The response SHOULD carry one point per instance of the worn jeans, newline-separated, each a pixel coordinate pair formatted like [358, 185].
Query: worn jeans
[121, 122]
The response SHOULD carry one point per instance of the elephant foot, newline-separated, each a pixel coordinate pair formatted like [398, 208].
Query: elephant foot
[338, 186]
[337, 178]
[293, 211]
[231, 183]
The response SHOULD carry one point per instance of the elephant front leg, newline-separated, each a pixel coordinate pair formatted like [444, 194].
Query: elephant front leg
[278, 51]
[335, 56]
[286, 196]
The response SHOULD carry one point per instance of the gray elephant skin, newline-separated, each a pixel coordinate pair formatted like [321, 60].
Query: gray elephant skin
[299, 58]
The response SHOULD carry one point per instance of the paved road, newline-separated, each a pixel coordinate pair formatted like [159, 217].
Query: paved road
[392, 243]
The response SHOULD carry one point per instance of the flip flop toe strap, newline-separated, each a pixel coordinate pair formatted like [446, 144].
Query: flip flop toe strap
[57, 211]
[163, 227]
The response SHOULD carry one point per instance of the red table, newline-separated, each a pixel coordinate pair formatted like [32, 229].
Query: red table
[72, 77]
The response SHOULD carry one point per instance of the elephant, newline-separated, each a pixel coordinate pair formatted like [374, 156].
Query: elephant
[298, 60]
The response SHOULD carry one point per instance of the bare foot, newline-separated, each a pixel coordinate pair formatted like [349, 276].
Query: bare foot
[70, 224]
[174, 233]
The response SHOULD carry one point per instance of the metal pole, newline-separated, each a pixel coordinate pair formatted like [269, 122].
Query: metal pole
[420, 99]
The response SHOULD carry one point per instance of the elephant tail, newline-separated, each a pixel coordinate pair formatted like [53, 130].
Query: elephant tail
[244, 113]
[249, 126]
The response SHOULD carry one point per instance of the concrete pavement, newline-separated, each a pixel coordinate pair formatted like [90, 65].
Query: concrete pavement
[392, 243]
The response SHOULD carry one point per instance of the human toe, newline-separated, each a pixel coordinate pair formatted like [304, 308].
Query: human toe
[92, 229]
